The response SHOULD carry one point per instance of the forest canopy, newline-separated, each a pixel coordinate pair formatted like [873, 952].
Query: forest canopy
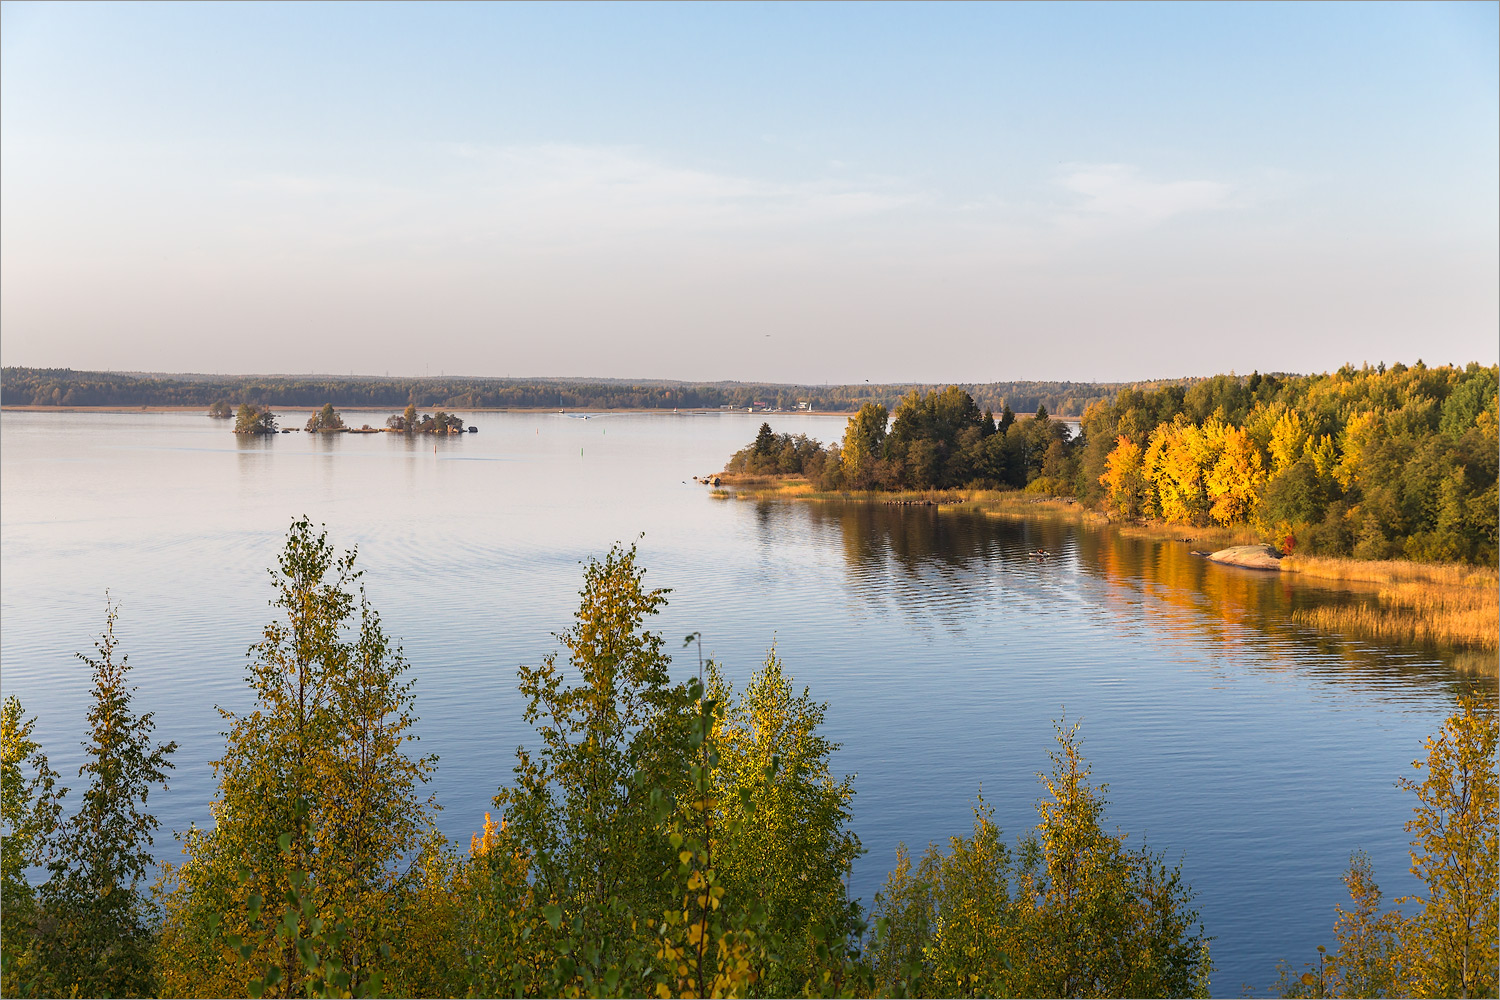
[1374, 463]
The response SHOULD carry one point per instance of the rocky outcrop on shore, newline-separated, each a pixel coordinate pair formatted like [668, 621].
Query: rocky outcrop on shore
[1249, 557]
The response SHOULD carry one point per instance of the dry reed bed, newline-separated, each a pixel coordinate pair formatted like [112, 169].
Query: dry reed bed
[1442, 604]
[1392, 571]
[1469, 629]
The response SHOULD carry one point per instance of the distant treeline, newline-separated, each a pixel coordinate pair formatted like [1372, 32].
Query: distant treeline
[1377, 463]
[65, 387]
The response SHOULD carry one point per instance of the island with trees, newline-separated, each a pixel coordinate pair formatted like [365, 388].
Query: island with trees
[326, 421]
[253, 420]
[411, 422]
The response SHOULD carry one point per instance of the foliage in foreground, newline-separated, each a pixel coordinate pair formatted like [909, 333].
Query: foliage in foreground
[1070, 913]
[1447, 946]
[86, 931]
[661, 838]
[322, 760]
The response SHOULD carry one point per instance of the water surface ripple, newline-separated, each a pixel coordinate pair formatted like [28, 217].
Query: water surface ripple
[1255, 752]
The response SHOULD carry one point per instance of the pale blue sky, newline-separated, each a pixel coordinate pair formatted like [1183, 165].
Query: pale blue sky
[794, 193]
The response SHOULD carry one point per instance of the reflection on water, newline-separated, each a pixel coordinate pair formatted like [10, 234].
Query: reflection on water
[921, 558]
[1258, 753]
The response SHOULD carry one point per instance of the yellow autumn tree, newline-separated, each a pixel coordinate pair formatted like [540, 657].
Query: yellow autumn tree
[1125, 479]
[504, 937]
[784, 818]
[1288, 438]
[1360, 433]
[1073, 912]
[1324, 454]
[1096, 918]
[323, 760]
[1178, 459]
[1367, 962]
[949, 921]
[1235, 481]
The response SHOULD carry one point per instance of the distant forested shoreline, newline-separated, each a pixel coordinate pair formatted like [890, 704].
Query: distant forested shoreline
[66, 387]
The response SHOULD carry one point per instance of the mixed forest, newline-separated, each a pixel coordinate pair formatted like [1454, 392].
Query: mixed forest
[1373, 463]
[65, 387]
[658, 837]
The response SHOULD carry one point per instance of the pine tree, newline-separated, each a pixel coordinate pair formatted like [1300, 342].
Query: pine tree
[95, 938]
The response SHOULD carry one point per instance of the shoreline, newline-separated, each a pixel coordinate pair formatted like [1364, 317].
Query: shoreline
[1453, 606]
[997, 503]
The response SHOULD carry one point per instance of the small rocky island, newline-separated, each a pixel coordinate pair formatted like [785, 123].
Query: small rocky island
[326, 421]
[410, 422]
[253, 419]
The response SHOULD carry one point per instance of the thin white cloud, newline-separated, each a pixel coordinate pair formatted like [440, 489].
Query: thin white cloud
[557, 197]
[607, 190]
[1113, 196]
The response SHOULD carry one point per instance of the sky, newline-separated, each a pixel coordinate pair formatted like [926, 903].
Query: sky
[779, 192]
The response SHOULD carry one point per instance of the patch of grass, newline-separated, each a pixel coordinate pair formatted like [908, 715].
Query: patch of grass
[748, 487]
[1391, 571]
[1458, 628]
[1444, 604]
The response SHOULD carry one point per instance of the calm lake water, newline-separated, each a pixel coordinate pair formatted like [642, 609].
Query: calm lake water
[1252, 750]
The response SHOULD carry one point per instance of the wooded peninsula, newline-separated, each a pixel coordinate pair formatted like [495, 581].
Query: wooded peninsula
[1374, 463]
[1382, 474]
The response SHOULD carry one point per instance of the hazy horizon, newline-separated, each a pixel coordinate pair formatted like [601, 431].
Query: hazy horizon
[795, 194]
